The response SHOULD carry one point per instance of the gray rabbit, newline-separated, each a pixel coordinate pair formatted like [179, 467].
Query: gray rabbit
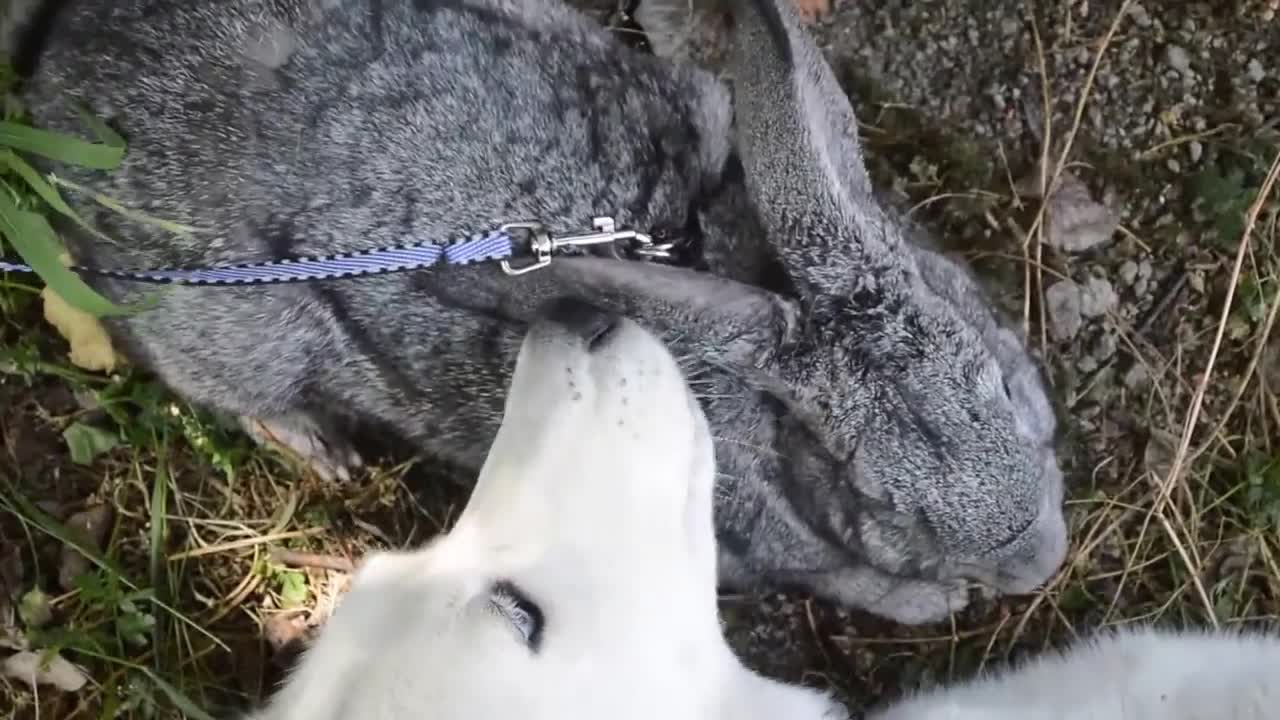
[882, 439]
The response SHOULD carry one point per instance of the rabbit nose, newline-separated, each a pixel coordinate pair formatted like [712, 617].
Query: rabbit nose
[588, 322]
[1035, 565]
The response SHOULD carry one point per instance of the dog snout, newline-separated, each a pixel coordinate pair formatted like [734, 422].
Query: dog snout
[591, 324]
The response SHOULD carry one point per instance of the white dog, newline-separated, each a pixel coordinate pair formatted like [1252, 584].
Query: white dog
[1133, 674]
[580, 584]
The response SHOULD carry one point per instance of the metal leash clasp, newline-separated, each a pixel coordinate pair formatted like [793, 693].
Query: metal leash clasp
[543, 245]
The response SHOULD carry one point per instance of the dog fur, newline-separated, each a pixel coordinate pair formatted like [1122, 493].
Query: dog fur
[884, 439]
[1140, 673]
[579, 583]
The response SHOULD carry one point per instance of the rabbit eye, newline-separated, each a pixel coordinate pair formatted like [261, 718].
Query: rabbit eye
[1008, 394]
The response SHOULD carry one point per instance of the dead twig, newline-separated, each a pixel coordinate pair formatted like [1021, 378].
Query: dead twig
[292, 558]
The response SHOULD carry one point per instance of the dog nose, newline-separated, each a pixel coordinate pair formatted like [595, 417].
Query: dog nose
[587, 321]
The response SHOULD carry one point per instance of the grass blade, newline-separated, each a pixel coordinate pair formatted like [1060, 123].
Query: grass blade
[177, 697]
[46, 191]
[35, 240]
[101, 130]
[63, 148]
[116, 207]
[158, 535]
[22, 508]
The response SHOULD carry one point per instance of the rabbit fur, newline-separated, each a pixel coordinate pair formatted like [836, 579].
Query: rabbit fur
[882, 438]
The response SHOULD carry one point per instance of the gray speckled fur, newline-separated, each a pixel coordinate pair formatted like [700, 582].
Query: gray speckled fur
[880, 436]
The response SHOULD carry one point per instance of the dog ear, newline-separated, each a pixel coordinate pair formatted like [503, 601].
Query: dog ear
[798, 138]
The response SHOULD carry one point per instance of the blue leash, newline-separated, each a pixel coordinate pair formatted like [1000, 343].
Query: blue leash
[500, 245]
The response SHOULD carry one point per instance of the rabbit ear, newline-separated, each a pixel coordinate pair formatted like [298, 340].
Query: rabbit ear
[799, 144]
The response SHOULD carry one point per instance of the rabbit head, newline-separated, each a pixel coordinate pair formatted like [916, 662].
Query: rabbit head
[942, 427]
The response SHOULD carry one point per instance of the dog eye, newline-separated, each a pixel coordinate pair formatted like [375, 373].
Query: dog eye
[524, 615]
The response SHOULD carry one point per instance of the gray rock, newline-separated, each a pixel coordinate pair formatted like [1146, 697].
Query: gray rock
[1062, 302]
[1140, 15]
[1076, 221]
[1097, 298]
[1129, 272]
[1178, 58]
[1105, 347]
[1195, 150]
[1255, 71]
[1137, 377]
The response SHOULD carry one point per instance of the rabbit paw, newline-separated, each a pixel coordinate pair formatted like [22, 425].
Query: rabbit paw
[903, 600]
[915, 602]
[327, 456]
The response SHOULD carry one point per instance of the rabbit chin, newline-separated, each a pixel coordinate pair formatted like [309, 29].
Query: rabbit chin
[579, 581]
[1036, 555]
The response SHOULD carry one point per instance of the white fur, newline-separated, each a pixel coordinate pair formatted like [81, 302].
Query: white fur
[595, 499]
[1132, 674]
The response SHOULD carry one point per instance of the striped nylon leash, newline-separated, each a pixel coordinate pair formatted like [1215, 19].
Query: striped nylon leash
[497, 245]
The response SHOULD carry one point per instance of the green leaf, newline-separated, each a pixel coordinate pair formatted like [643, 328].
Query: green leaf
[45, 190]
[34, 608]
[1074, 598]
[293, 587]
[34, 239]
[101, 130]
[135, 627]
[96, 587]
[87, 442]
[135, 215]
[104, 155]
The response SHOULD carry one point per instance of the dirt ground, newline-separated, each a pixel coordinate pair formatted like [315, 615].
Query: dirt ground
[1150, 288]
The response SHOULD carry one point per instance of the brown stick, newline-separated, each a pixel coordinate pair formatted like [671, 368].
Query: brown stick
[311, 560]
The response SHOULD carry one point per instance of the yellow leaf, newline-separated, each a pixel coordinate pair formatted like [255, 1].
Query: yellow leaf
[91, 347]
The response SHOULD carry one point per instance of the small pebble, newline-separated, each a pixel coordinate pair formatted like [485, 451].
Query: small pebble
[1196, 281]
[1097, 298]
[1140, 15]
[1195, 150]
[1062, 301]
[1105, 348]
[1136, 377]
[1255, 71]
[1129, 272]
[1178, 58]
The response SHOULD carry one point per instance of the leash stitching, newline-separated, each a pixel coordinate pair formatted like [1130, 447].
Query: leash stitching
[480, 247]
